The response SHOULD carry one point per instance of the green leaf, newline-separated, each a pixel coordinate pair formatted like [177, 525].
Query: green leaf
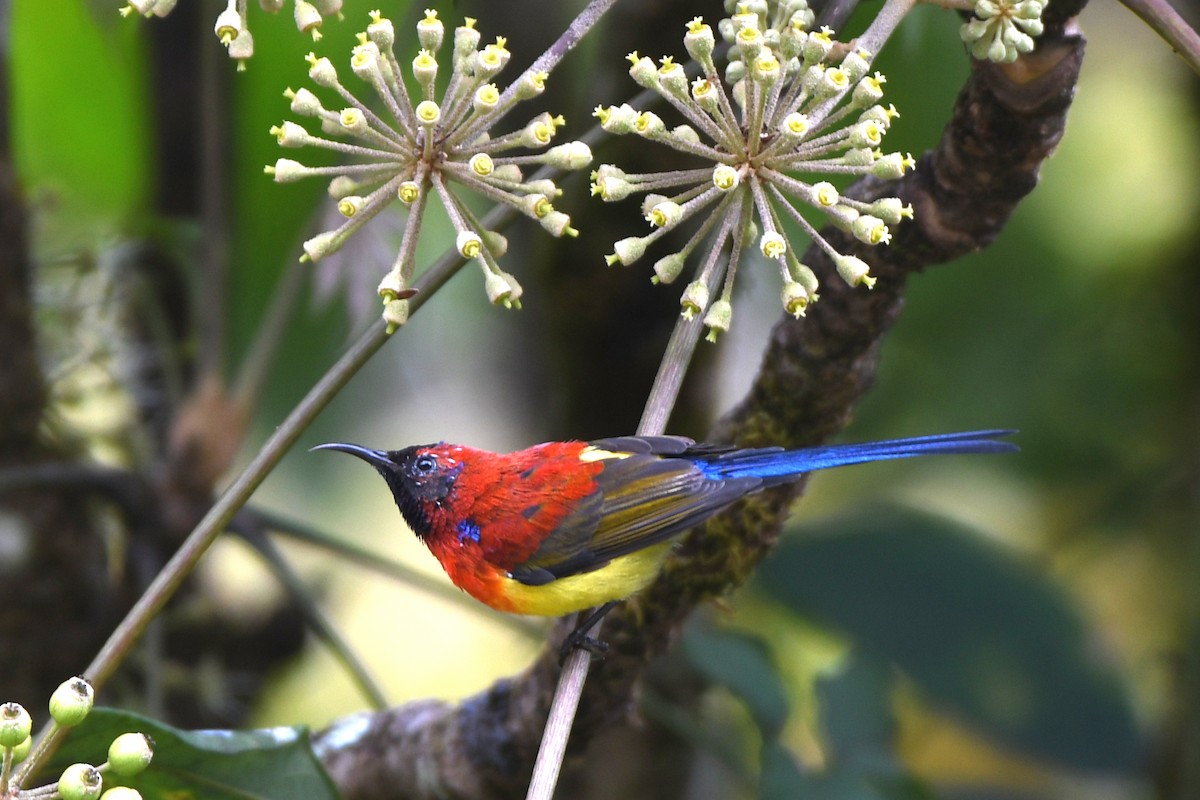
[986, 636]
[780, 777]
[853, 784]
[216, 765]
[79, 115]
[855, 712]
[742, 664]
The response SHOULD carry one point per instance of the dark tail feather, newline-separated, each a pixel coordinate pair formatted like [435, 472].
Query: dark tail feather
[786, 464]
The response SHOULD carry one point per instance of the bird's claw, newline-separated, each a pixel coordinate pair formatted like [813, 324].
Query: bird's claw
[579, 640]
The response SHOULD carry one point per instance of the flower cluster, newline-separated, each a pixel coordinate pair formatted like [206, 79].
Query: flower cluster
[128, 755]
[426, 145]
[232, 28]
[1001, 30]
[798, 103]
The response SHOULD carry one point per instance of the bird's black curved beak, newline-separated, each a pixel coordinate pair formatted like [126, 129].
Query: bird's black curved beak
[376, 458]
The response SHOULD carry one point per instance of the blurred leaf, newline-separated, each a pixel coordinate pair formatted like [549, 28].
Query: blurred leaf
[984, 635]
[215, 765]
[855, 712]
[854, 784]
[80, 123]
[780, 778]
[742, 664]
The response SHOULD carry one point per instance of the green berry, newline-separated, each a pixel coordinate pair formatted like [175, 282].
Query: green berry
[71, 702]
[15, 724]
[121, 793]
[21, 751]
[80, 782]
[130, 753]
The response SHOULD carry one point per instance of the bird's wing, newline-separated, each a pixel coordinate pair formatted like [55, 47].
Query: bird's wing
[641, 499]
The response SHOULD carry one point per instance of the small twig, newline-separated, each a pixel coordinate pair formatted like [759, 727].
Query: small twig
[256, 364]
[547, 61]
[1171, 26]
[835, 14]
[671, 371]
[214, 214]
[883, 25]
[361, 556]
[317, 620]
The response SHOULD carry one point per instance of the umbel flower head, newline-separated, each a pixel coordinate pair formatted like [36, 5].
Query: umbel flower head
[419, 145]
[1001, 30]
[795, 106]
[232, 28]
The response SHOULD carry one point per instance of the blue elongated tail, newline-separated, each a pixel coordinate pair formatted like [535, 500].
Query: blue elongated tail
[776, 465]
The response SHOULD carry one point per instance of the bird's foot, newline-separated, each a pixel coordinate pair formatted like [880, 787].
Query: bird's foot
[579, 639]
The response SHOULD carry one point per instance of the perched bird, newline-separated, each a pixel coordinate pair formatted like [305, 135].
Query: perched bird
[565, 526]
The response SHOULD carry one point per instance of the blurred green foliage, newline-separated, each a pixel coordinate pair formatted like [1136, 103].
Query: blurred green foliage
[1079, 327]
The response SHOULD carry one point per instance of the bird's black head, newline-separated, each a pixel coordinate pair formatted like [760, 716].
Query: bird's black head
[421, 477]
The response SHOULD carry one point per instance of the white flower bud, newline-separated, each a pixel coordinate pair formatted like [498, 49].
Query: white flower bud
[626, 251]
[322, 72]
[570, 155]
[304, 102]
[430, 31]
[229, 23]
[725, 177]
[321, 245]
[718, 319]
[469, 244]
[794, 297]
[557, 224]
[531, 84]
[667, 268]
[772, 244]
[308, 19]
[694, 300]
[854, 271]
[381, 31]
[665, 214]
[870, 229]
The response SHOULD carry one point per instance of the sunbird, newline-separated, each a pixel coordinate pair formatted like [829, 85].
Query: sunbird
[565, 526]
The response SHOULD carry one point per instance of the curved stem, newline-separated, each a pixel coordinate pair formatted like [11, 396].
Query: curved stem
[256, 518]
[1171, 26]
[884, 23]
[318, 621]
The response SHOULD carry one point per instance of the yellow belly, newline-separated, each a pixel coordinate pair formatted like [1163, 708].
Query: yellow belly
[616, 580]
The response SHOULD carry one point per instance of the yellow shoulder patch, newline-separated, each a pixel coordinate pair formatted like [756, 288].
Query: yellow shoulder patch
[590, 453]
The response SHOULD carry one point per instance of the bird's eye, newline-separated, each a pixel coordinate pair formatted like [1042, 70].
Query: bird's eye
[425, 464]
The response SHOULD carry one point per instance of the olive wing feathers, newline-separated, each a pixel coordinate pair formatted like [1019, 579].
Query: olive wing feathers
[641, 499]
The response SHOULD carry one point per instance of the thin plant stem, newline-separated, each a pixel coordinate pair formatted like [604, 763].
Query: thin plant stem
[662, 399]
[214, 213]
[320, 623]
[252, 374]
[396, 570]
[1171, 26]
[883, 25]
[547, 61]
